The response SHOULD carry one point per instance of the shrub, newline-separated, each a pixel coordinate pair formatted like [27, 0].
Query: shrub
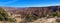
[11, 19]
[30, 17]
[24, 21]
[4, 16]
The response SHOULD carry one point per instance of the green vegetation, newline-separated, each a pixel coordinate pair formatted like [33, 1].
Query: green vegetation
[58, 14]
[24, 21]
[53, 14]
[11, 19]
[4, 16]
[30, 17]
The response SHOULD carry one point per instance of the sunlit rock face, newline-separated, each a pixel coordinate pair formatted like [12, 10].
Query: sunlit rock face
[45, 20]
[50, 20]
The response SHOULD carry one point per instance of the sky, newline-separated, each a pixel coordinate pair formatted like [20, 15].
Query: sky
[29, 3]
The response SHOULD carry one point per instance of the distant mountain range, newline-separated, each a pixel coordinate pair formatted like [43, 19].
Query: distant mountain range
[50, 7]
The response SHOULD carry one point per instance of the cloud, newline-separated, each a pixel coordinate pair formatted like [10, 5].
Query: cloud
[9, 2]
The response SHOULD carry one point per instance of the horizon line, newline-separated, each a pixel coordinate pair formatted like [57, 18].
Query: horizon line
[31, 6]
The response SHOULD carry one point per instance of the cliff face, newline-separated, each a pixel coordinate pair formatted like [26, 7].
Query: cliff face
[38, 11]
[42, 11]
